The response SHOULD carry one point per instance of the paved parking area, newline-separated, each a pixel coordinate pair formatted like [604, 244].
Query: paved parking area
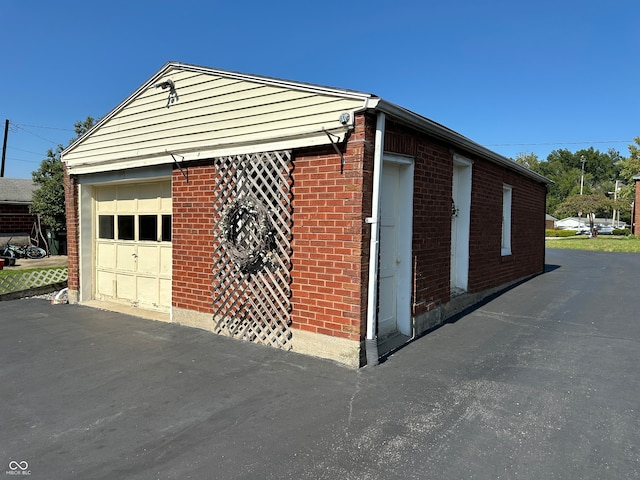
[541, 382]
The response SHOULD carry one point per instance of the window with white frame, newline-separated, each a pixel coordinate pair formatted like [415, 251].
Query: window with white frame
[506, 219]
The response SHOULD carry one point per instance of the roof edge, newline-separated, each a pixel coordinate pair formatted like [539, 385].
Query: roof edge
[271, 80]
[440, 131]
[370, 102]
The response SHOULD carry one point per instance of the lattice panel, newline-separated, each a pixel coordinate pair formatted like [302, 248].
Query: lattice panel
[251, 298]
[18, 280]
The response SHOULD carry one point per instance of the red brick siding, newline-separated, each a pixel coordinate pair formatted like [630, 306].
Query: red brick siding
[15, 219]
[432, 225]
[330, 241]
[327, 237]
[431, 214]
[636, 220]
[487, 266]
[192, 238]
[330, 259]
[432, 220]
[71, 205]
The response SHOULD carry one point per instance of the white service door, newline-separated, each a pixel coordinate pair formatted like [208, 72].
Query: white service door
[389, 254]
[460, 226]
[133, 245]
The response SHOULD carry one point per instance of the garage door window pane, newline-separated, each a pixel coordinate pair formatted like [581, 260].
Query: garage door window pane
[105, 226]
[148, 228]
[166, 228]
[125, 227]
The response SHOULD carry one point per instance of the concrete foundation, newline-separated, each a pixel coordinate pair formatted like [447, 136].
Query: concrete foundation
[341, 350]
[439, 315]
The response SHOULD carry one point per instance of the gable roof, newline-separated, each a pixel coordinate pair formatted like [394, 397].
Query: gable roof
[196, 112]
[16, 190]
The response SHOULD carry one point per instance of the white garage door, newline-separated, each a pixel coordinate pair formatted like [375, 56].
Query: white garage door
[133, 245]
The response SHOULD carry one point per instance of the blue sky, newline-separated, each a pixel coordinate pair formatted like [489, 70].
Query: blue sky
[513, 76]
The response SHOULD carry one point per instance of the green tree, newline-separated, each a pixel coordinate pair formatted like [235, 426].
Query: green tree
[528, 160]
[630, 167]
[48, 199]
[564, 168]
[596, 203]
[590, 205]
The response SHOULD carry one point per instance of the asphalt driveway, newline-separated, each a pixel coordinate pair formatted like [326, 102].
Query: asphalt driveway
[541, 382]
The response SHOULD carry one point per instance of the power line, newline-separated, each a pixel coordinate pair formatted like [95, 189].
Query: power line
[43, 126]
[23, 160]
[26, 151]
[35, 134]
[21, 125]
[554, 143]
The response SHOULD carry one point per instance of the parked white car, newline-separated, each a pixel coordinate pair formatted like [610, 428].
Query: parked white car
[605, 229]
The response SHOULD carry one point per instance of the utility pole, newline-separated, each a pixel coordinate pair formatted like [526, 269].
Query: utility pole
[582, 159]
[4, 146]
[615, 222]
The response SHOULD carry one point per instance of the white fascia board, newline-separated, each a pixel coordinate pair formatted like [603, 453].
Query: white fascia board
[15, 202]
[440, 131]
[161, 158]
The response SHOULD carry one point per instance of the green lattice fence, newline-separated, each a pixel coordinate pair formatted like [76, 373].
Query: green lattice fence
[19, 280]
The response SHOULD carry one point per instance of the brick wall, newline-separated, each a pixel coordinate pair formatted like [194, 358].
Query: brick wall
[431, 214]
[432, 220]
[329, 261]
[73, 232]
[192, 237]
[487, 266]
[636, 220]
[330, 239]
[15, 219]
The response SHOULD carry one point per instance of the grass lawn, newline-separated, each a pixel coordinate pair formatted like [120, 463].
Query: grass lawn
[603, 243]
[26, 279]
[7, 271]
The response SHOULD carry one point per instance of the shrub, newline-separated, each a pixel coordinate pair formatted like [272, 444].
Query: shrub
[560, 233]
[622, 231]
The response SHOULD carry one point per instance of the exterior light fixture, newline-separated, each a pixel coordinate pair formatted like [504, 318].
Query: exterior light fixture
[173, 95]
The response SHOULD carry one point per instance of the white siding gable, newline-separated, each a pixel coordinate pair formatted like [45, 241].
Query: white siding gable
[216, 113]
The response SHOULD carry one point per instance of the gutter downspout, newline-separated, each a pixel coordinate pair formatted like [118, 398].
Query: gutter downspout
[371, 340]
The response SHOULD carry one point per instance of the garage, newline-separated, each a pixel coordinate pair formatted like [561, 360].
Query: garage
[309, 218]
[133, 245]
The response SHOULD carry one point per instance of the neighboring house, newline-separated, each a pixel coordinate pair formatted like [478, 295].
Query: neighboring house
[322, 220]
[582, 223]
[16, 219]
[572, 223]
[550, 222]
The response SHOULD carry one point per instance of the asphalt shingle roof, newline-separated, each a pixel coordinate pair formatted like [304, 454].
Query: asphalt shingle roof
[16, 190]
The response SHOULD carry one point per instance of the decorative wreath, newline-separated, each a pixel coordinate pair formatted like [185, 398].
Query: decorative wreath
[248, 234]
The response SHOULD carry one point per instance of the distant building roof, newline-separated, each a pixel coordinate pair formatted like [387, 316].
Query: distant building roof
[16, 190]
[574, 221]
